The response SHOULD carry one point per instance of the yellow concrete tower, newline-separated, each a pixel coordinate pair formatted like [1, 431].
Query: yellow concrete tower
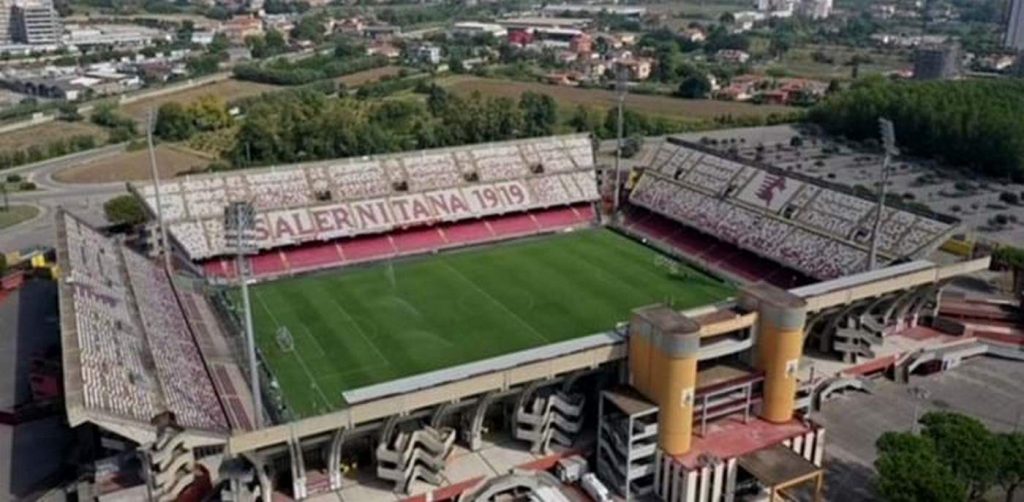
[780, 341]
[674, 344]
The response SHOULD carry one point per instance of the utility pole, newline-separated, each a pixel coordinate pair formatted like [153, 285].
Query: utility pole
[889, 146]
[164, 244]
[620, 90]
[239, 222]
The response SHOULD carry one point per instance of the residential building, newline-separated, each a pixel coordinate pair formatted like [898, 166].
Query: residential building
[238, 28]
[36, 22]
[939, 62]
[732, 56]
[693, 35]
[428, 53]
[581, 44]
[383, 49]
[6, 36]
[1014, 37]
[636, 68]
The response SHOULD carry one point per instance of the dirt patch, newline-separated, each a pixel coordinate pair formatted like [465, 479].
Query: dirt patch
[133, 166]
[228, 90]
[572, 96]
[41, 135]
[372, 75]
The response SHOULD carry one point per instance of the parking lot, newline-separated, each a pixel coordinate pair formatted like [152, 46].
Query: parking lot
[986, 388]
[943, 189]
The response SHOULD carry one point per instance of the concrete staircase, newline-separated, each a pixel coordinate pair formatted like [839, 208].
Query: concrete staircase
[411, 455]
[556, 417]
[171, 465]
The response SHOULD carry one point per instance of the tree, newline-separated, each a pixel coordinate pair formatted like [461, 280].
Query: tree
[966, 446]
[173, 122]
[3, 264]
[310, 28]
[124, 210]
[586, 119]
[540, 113]
[694, 87]
[910, 470]
[727, 18]
[1011, 465]
[210, 112]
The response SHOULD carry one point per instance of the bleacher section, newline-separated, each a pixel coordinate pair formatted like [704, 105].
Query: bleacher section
[318, 202]
[364, 248]
[133, 354]
[799, 222]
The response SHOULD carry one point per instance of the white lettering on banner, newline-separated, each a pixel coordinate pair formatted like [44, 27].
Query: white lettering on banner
[497, 197]
[338, 220]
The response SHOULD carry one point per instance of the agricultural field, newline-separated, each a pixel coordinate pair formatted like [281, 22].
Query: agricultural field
[569, 97]
[43, 134]
[16, 214]
[834, 64]
[361, 326]
[134, 166]
[364, 77]
[228, 90]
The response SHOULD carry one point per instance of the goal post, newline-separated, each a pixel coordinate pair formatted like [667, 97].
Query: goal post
[670, 266]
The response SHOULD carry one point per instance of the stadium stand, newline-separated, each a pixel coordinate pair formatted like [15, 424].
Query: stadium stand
[328, 200]
[129, 352]
[799, 222]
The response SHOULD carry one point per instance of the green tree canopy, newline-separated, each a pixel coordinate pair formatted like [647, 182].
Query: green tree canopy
[124, 209]
[909, 470]
[173, 122]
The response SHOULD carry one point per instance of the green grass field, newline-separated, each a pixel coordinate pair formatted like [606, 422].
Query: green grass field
[367, 325]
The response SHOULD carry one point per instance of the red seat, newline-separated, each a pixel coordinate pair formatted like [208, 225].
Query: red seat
[317, 255]
[517, 224]
[418, 239]
[367, 248]
[465, 232]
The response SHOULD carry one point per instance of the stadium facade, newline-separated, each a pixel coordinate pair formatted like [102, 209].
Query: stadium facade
[707, 402]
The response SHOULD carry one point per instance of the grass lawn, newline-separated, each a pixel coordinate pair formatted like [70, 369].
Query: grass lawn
[16, 214]
[367, 325]
[134, 166]
[42, 135]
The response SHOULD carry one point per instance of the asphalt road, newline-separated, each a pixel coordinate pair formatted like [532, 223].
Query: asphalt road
[84, 200]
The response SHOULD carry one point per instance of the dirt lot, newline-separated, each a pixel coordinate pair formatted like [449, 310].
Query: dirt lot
[227, 89]
[133, 166]
[45, 133]
[363, 77]
[572, 96]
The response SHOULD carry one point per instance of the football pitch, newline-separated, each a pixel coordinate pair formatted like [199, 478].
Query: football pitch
[364, 325]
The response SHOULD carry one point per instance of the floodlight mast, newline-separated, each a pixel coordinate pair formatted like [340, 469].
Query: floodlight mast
[889, 145]
[620, 90]
[239, 221]
[164, 244]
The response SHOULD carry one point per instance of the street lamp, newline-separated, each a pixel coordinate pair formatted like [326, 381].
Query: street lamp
[239, 223]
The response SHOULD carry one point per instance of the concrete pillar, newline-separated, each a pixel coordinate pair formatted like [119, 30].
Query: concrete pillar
[779, 346]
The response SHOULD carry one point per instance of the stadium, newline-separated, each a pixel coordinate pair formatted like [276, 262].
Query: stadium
[427, 322]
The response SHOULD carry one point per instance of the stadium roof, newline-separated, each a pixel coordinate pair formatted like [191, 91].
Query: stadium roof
[455, 373]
